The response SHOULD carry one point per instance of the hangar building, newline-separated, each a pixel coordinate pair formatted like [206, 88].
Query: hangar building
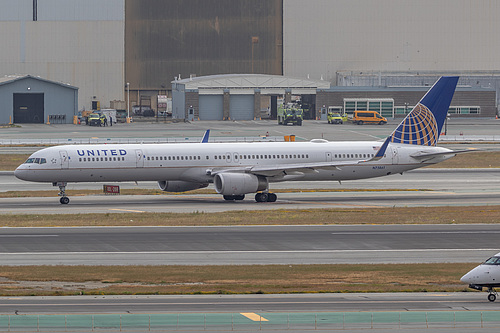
[238, 96]
[29, 99]
[397, 101]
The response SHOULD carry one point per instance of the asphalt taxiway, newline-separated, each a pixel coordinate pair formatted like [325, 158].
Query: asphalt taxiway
[249, 303]
[245, 245]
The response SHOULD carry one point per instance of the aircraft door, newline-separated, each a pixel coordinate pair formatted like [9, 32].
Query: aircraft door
[139, 158]
[64, 159]
[228, 157]
[328, 156]
[236, 157]
[395, 156]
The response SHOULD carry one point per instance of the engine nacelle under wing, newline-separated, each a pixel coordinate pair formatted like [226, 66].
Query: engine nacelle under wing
[179, 186]
[239, 183]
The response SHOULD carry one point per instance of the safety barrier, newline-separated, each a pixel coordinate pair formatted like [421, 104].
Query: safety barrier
[251, 321]
[136, 140]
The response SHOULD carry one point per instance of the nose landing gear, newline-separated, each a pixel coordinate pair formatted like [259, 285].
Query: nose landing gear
[62, 192]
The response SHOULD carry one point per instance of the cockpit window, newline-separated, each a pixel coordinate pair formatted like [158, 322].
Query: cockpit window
[36, 160]
[493, 261]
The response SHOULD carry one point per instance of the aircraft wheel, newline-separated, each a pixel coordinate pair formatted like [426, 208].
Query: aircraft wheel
[492, 297]
[239, 197]
[261, 197]
[64, 200]
[228, 197]
[272, 197]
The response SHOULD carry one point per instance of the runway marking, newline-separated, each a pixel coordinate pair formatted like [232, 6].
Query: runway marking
[244, 251]
[413, 232]
[11, 236]
[128, 210]
[253, 316]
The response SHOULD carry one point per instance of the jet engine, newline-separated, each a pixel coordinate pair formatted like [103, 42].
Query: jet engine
[179, 186]
[239, 183]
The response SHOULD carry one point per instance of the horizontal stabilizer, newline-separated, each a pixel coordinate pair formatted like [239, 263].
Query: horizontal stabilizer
[424, 155]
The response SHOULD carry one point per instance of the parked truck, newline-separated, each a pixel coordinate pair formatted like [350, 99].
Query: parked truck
[290, 114]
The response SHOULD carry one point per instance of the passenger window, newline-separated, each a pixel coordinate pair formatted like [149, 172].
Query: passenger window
[79, 159]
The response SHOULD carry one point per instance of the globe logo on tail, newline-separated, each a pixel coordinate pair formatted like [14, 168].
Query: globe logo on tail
[418, 128]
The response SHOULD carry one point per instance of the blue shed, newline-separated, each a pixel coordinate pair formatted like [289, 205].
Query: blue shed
[30, 100]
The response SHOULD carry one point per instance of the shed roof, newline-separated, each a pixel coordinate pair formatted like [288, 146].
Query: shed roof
[12, 78]
[251, 81]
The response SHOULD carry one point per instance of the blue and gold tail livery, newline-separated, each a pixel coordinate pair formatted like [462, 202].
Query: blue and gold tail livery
[423, 124]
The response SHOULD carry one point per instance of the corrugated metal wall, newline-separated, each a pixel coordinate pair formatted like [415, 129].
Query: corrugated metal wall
[165, 38]
[322, 37]
[80, 42]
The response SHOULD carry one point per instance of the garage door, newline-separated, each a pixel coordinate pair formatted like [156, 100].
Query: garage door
[28, 108]
[211, 107]
[241, 107]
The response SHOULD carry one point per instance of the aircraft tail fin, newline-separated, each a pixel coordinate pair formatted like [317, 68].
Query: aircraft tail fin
[423, 124]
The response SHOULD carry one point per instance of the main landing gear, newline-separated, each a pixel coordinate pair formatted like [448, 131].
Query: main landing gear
[62, 192]
[265, 197]
[492, 296]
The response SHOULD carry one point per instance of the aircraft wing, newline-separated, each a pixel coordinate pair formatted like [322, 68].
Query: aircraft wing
[289, 169]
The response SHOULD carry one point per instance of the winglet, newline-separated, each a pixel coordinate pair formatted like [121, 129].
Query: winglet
[205, 136]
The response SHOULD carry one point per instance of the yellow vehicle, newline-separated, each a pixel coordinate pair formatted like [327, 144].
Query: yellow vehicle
[95, 119]
[368, 117]
[336, 118]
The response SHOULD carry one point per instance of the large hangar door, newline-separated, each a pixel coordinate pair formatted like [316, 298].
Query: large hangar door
[211, 107]
[28, 108]
[241, 107]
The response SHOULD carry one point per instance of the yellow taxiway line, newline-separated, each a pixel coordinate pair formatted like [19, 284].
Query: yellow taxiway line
[253, 316]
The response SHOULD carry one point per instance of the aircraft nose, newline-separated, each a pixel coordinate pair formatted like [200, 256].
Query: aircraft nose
[466, 278]
[20, 173]
[472, 276]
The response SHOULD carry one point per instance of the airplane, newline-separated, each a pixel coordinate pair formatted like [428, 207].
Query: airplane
[237, 169]
[486, 275]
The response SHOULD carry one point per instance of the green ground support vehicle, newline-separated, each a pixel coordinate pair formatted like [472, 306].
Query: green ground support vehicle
[290, 115]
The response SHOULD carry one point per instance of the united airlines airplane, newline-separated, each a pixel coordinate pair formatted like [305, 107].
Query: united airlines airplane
[237, 169]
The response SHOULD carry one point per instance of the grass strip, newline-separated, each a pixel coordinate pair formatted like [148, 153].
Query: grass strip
[394, 215]
[141, 191]
[130, 280]
[482, 159]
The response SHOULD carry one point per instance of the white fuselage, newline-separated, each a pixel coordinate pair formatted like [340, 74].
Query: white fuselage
[196, 162]
[485, 275]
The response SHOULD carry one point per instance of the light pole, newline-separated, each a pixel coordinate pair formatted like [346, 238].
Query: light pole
[128, 102]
